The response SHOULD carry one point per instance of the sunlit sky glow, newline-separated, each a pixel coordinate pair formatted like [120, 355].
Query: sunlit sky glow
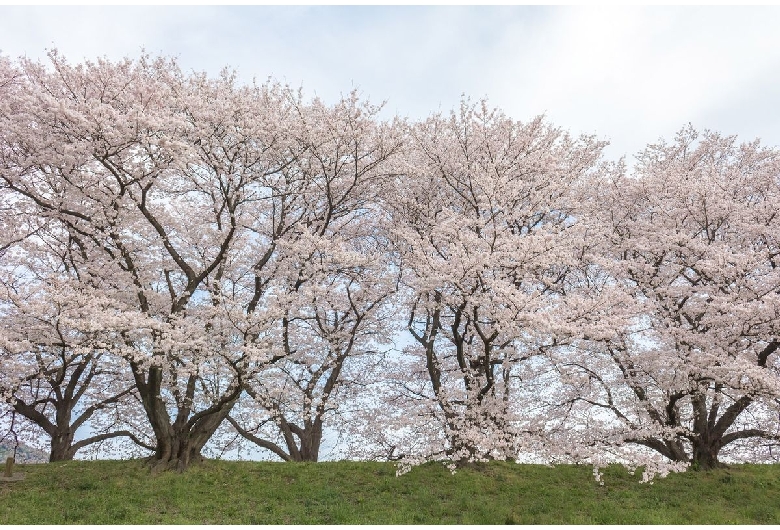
[628, 75]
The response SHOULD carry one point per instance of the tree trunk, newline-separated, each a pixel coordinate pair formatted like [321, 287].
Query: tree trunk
[61, 448]
[310, 443]
[180, 443]
[705, 456]
[176, 452]
[59, 430]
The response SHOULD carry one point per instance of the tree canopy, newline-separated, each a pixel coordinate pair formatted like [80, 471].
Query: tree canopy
[191, 264]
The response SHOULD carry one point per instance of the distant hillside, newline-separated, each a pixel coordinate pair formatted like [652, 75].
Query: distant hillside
[24, 453]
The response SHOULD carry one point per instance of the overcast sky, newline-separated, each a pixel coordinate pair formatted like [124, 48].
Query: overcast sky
[627, 75]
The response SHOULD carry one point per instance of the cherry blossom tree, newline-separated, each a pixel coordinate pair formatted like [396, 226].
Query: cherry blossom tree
[152, 173]
[56, 376]
[691, 239]
[200, 207]
[182, 253]
[332, 248]
[485, 230]
[58, 379]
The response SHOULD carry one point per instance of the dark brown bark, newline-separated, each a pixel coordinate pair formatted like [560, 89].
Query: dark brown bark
[302, 444]
[705, 455]
[53, 413]
[180, 440]
[62, 446]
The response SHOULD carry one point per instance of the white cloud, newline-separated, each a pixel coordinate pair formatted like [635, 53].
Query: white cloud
[636, 74]
[627, 74]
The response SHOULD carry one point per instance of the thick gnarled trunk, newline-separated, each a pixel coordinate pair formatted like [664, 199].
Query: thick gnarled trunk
[310, 444]
[61, 448]
[177, 452]
[179, 442]
[705, 457]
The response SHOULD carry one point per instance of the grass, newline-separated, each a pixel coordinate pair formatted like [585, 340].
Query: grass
[126, 492]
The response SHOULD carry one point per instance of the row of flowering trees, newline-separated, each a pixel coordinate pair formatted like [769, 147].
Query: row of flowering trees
[188, 262]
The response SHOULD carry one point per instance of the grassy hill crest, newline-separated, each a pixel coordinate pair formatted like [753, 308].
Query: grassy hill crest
[126, 492]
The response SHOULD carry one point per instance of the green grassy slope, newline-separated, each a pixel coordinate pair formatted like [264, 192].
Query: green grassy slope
[352, 492]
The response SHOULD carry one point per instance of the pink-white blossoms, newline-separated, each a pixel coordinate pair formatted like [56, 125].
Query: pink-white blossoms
[692, 238]
[485, 230]
[182, 255]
